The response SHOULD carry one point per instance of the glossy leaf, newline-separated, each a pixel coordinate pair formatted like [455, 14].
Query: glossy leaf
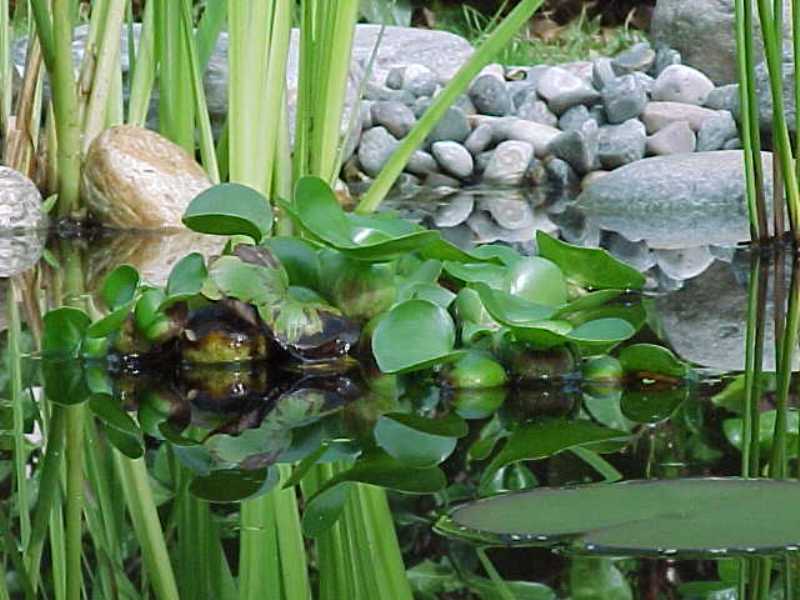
[187, 277]
[120, 286]
[234, 485]
[535, 441]
[299, 258]
[734, 431]
[591, 267]
[230, 209]
[511, 310]
[602, 331]
[64, 330]
[121, 429]
[418, 441]
[645, 405]
[492, 275]
[649, 358]
[323, 510]
[414, 335]
[111, 322]
[537, 280]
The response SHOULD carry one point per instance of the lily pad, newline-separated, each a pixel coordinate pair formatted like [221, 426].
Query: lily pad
[537, 280]
[186, 278]
[230, 209]
[64, 330]
[681, 517]
[120, 286]
[650, 358]
[591, 267]
[414, 335]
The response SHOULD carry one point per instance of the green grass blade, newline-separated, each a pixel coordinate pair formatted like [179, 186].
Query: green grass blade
[493, 44]
[144, 70]
[208, 29]
[176, 112]
[74, 514]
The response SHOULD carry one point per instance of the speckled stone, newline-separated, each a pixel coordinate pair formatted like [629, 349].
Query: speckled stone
[657, 115]
[508, 164]
[135, 178]
[20, 202]
[454, 211]
[675, 138]
[562, 90]
[376, 147]
[679, 83]
[453, 158]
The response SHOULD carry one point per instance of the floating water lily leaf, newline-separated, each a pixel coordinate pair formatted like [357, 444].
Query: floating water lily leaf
[249, 282]
[492, 275]
[362, 290]
[591, 267]
[186, 278]
[682, 517]
[121, 429]
[64, 330]
[316, 210]
[253, 449]
[430, 292]
[505, 254]
[375, 468]
[475, 370]
[234, 485]
[441, 249]
[414, 335]
[418, 441]
[588, 301]
[535, 441]
[299, 258]
[652, 405]
[650, 358]
[537, 280]
[120, 286]
[230, 209]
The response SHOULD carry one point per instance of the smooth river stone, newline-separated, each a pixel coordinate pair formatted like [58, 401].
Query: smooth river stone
[676, 201]
[454, 211]
[20, 202]
[512, 128]
[510, 211]
[134, 178]
[657, 115]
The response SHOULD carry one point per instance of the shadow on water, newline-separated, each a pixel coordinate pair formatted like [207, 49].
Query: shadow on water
[722, 404]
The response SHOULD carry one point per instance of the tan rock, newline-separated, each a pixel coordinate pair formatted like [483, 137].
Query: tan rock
[152, 254]
[658, 115]
[135, 178]
[590, 178]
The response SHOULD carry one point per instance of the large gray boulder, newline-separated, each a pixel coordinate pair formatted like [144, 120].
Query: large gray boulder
[676, 201]
[705, 322]
[703, 31]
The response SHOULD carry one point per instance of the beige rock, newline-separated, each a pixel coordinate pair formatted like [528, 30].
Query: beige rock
[153, 254]
[135, 178]
[658, 115]
[512, 128]
[675, 138]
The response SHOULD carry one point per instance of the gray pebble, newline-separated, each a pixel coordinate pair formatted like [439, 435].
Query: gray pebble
[675, 138]
[636, 254]
[464, 103]
[725, 97]
[679, 83]
[422, 163]
[639, 57]
[602, 72]
[562, 90]
[454, 126]
[537, 111]
[561, 175]
[394, 80]
[574, 118]
[508, 164]
[396, 117]
[482, 161]
[376, 92]
[577, 147]
[535, 74]
[480, 139]
[734, 144]
[665, 57]
[457, 209]
[619, 145]
[624, 98]
[487, 231]
[377, 146]
[420, 80]
[420, 106]
[508, 211]
[490, 96]
[440, 180]
[716, 131]
[453, 158]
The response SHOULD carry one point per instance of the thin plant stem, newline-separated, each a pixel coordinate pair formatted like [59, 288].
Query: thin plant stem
[143, 71]
[18, 412]
[493, 44]
[176, 112]
[65, 103]
[754, 340]
[74, 455]
[5, 66]
[500, 585]
[104, 73]
[12, 550]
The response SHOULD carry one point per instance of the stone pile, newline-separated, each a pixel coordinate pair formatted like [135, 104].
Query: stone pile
[556, 124]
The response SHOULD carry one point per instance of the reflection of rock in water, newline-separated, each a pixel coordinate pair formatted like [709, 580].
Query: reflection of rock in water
[20, 251]
[705, 321]
[153, 255]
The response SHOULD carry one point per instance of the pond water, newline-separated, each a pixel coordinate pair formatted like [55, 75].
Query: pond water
[214, 439]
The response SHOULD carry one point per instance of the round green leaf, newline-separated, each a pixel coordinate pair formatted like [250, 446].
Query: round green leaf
[682, 517]
[591, 267]
[602, 331]
[120, 286]
[64, 330]
[234, 485]
[418, 441]
[299, 258]
[649, 358]
[187, 277]
[492, 275]
[537, 280]
[230, 209]
[415, 334]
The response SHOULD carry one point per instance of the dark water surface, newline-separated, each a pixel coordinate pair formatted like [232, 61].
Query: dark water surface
[261, 415]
